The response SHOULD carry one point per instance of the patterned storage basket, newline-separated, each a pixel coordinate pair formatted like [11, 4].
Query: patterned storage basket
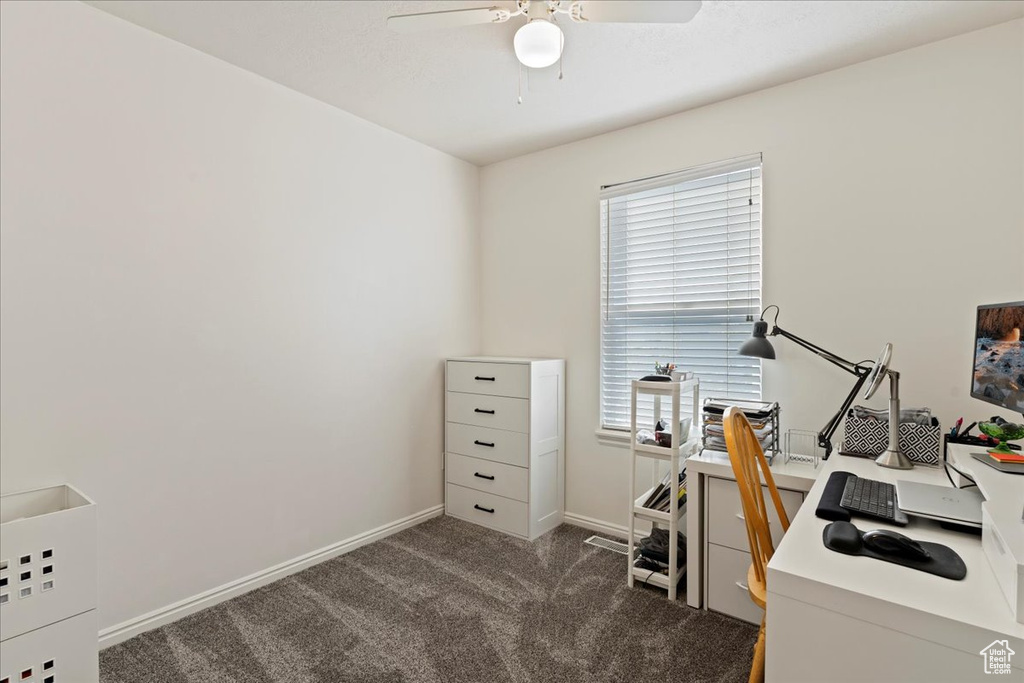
[868, 436]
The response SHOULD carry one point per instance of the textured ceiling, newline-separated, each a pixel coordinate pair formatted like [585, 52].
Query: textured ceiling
[455, 89]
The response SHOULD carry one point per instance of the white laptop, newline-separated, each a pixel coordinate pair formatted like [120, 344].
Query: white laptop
[943, 503]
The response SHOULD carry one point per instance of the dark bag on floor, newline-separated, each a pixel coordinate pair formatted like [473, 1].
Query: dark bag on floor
[655, 547]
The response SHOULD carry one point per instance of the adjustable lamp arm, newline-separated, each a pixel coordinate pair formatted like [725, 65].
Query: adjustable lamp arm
[850, 367]
[826, 432]
[763, 349]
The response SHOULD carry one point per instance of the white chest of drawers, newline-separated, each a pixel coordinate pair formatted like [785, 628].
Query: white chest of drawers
[505, 443]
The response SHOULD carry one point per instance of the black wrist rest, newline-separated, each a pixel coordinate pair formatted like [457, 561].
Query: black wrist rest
[828, 505]
[843, 537]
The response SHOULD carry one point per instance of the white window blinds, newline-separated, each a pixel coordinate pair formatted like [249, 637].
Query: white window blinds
[680, 281]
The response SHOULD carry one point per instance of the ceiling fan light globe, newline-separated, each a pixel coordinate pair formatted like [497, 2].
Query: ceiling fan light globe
[538, 43]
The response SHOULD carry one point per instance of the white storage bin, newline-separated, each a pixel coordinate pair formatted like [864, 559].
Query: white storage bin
[64, 652]
[47, 559]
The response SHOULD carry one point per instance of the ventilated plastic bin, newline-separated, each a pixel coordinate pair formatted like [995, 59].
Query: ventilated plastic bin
[47, 558]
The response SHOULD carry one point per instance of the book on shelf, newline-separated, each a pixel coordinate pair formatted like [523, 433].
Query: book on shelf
[654, 495]
[663, 504]
[660, 498]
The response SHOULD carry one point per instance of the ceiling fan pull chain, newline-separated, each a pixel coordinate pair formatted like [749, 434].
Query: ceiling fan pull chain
[519, 92]
[561, 50]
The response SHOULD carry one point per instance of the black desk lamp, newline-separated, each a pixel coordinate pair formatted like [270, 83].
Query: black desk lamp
[758, 346]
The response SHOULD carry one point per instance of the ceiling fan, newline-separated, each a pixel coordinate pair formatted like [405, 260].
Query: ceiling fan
[538, 43]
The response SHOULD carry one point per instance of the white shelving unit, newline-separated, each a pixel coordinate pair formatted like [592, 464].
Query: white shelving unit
[682, 446]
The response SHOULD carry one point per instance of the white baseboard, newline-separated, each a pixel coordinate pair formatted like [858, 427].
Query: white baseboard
[607, 528]
[596, 525]
[165, 615]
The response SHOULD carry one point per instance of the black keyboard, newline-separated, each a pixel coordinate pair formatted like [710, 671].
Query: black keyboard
[872, 498]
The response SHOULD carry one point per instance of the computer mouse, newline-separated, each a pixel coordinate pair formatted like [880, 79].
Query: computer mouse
[886, 542]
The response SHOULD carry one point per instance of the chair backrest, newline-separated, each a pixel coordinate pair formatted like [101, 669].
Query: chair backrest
[747, 459]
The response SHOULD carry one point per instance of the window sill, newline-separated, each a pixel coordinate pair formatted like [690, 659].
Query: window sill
[613, 437]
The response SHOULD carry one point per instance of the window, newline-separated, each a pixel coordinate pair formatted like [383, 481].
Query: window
[680, 281]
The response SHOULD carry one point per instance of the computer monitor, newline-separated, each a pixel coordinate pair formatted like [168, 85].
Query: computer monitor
[998, 375]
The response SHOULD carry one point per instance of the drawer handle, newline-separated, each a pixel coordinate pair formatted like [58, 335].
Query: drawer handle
[484, 379]
[739, 516]
[483, 509]
[481, 410]
[744, 586]
[484, 443]
[489, 477]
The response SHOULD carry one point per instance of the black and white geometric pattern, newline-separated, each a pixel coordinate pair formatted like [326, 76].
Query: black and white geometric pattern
[871, 437]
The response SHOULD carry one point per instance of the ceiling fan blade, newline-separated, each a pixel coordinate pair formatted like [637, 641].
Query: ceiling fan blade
[638, 11]
[426, 21]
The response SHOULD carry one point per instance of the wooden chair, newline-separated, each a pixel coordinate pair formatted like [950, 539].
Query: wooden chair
[747, 459]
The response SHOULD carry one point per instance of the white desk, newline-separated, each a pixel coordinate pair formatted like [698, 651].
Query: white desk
[833, 617]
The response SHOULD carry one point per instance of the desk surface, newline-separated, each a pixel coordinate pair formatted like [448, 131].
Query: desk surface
[1004, 494]
[896, 597]
[787, 475]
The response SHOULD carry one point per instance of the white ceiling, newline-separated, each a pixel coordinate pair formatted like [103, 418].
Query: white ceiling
[455, 89]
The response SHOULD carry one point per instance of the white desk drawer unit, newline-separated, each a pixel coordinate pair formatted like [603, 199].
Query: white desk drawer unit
[717, 550]
[726, 525]
[505, 443]
[728, 550]
[727, 584]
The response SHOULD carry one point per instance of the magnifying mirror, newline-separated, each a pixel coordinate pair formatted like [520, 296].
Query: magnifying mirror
[878, 372]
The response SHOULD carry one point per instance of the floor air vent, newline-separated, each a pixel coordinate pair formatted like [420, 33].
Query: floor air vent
[608, 544]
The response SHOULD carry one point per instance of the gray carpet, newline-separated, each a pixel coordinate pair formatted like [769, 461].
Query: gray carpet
[445, 601]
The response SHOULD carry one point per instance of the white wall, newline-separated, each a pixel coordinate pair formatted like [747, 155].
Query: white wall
[892, 207]
[224, 304]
